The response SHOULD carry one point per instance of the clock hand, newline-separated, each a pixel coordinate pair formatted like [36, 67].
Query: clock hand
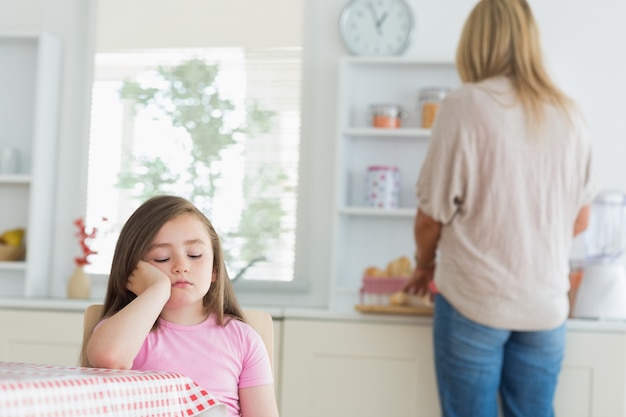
[374, 16]
[380, 21]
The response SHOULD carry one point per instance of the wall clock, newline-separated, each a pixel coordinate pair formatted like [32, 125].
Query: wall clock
[377, 27]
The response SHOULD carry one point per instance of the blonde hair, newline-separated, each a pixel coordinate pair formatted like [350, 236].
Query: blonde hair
[501, 38]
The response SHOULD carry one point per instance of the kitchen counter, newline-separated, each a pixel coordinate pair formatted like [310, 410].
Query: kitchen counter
[324, 314]
[317, 342]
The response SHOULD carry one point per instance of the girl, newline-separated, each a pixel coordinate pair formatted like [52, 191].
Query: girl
[170, 307]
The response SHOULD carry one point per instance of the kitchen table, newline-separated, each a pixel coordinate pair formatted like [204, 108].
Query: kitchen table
[33, 390]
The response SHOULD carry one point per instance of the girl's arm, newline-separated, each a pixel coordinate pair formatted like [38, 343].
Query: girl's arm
[115, 343]
[258, 401]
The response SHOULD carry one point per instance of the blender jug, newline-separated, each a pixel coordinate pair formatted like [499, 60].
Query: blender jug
[602, 292]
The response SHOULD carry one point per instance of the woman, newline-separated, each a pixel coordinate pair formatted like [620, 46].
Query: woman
[505, 187]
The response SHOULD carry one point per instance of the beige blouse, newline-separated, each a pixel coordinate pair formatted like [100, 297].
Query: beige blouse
[507, 197]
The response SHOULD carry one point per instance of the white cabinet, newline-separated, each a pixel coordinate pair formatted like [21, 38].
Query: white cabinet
[592, 382]
[365, 236]
[332, 367]
[38, 336]
[355, 368]
[337, 369]
[30, 77]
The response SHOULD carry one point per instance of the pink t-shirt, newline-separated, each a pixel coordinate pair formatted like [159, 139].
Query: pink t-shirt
[221, 359]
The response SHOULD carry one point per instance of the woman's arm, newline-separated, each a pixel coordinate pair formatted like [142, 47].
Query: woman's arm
[426, 232]
[258, 401]
[115, 343]
[582, 220]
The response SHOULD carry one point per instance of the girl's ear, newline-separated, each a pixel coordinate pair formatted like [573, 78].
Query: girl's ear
[214, 276]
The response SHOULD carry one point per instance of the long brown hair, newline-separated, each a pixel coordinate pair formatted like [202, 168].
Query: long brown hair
[501, 38]
[134, 241]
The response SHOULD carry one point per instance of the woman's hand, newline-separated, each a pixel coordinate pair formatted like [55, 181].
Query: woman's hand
[146, 275]
[420, 281]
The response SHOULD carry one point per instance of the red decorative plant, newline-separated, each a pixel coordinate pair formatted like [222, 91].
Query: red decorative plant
[83, 237]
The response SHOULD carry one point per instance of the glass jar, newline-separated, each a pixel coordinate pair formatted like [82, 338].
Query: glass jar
[429, 101]
[387, 115]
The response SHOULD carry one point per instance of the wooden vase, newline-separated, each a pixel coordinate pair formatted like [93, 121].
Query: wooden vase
[79, 284]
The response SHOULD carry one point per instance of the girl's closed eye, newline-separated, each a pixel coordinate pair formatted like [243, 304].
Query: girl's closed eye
[194, 256]
[158, 256]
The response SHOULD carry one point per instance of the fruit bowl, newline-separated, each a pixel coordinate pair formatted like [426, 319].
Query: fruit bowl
[12, 253]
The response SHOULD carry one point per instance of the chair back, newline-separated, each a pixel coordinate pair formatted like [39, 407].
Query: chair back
[91, 318]
[260, 320]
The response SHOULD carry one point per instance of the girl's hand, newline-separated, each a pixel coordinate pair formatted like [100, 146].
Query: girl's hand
[116, 341]
[146, 275]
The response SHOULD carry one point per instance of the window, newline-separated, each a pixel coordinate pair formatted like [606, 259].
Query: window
[219, 125]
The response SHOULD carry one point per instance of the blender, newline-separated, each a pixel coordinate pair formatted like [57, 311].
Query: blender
[602, 291]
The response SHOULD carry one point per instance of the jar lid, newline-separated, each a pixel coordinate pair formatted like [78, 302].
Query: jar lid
[389, 110]
[385, 106]
[382, 168]
[433, 93]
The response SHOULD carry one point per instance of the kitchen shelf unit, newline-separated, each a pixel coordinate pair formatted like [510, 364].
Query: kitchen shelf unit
[30, 79]
[366, 236]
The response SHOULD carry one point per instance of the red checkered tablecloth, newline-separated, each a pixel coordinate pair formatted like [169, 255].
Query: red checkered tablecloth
[32, 390]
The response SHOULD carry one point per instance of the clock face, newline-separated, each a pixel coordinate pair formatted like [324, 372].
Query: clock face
[377, 27]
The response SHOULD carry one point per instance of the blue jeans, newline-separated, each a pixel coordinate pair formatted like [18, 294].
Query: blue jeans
[475, 363]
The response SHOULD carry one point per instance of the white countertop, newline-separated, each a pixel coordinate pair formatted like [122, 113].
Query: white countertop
[295, 313]
[65, 304]
[58, 304]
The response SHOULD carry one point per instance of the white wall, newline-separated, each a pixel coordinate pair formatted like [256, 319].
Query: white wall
[208, 23]
[70, 21]
[581, 44]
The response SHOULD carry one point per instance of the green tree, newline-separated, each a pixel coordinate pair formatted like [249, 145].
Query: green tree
[190, 99]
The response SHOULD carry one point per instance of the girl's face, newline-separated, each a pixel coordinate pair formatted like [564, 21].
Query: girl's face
[182, 250]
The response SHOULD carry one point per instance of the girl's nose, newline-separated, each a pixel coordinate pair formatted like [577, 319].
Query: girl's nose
[181, 266]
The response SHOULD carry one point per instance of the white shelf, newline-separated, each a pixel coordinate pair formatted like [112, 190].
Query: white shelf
[14, 179]
[372, 132]
[12, 266]
[376, 212]
[30, 81]
[365, 236]
[395, 61]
